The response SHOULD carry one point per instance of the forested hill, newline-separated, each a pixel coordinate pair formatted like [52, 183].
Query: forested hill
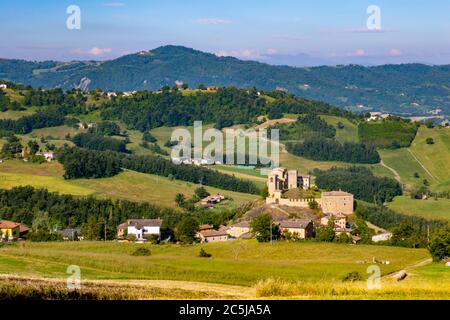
[401, 89]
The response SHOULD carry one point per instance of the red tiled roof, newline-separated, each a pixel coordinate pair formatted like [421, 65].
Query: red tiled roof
[8, 225]
[214, 233]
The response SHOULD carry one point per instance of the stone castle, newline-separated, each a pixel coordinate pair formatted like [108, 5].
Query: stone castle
[281, 180]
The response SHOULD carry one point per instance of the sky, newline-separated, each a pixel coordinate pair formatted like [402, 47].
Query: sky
[292, 32]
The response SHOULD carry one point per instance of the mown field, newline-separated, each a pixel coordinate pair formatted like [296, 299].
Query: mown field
[128, 185]
[430, 209]
[248, 264]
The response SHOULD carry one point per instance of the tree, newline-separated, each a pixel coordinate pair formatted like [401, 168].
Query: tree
[12, 146]
[429, 141]
[186, 229]
[33, 146]
[201, 192]
[416, 175]
[201, 87]
[325, 234]
[440, 244]
[180, 199]
[263, 228]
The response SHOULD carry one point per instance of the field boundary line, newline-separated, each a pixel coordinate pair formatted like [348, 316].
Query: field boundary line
[426, 170]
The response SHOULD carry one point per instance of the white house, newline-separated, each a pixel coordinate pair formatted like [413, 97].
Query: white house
[142, 229]
[3, 86]
[382, 237]
[49, 156]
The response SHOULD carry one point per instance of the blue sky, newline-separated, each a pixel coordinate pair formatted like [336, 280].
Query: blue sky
[292, 32]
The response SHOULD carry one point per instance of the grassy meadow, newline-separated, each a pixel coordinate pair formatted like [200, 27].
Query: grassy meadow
[316, 268]
[129, 185]
[430, 209]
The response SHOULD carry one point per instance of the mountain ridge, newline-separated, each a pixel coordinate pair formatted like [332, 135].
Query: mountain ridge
[404, 89]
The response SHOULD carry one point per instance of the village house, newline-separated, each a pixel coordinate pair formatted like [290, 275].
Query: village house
[205, 228]
[445, 123]
[9, 230]
[340, 220]
[239, 229]
[212, 200]
[142, 229]
[377, 116]
[49, 156]
[301, 229]
[213, 236]
[111, 94]
[3, 86]
[212, 88]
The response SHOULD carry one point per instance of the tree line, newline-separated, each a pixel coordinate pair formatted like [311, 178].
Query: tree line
[99, 142]
[49, 117]
[85, 163]
[322, 149]
[360, 182]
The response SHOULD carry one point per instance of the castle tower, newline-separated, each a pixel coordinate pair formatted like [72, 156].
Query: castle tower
[292, 179]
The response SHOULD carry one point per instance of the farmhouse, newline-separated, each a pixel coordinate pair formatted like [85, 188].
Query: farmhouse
[49, 156]
[213, 236]
[205, 228]
[9, 230]
[301, 229]
[142, 229]
[3, 86]
[239, 229]
[340, 220]
[210, 201]
[377, 116]
[445, 123]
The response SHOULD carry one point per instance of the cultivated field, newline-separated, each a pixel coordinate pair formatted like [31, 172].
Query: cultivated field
[237, 269]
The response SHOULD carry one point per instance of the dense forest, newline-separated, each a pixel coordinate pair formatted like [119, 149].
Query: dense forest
[322, 149]
[49, 117]
[99, 142]
[147, 110]
[392, 132]
[84, 163]
[360, 182]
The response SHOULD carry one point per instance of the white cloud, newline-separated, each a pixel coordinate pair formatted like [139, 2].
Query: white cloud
[95, 51]
[359, 53]
[244, 54]
[395, 52]
[212, 21]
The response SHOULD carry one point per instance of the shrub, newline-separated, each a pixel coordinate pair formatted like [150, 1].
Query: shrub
[204, 254]
[141, 252]
[352, 277]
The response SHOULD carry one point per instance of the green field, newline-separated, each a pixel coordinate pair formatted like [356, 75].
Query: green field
[128, 185]
[429, 209]
[348, 134]
[431, 162]
[239, 269]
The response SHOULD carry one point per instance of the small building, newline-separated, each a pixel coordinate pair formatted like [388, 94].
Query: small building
[9, 230]
[301, 229]
[237, 230]
[382, 237]
[49, 156]
[71, 234]
[3, 86]
[111, 94]
[142, 229]
[340, 220]
[205, 228]
[213, 236]
[212, 88]
[447, 263]
[445, 123]
[210, 201]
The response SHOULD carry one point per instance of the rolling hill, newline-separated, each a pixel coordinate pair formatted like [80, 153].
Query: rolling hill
[411, 89]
